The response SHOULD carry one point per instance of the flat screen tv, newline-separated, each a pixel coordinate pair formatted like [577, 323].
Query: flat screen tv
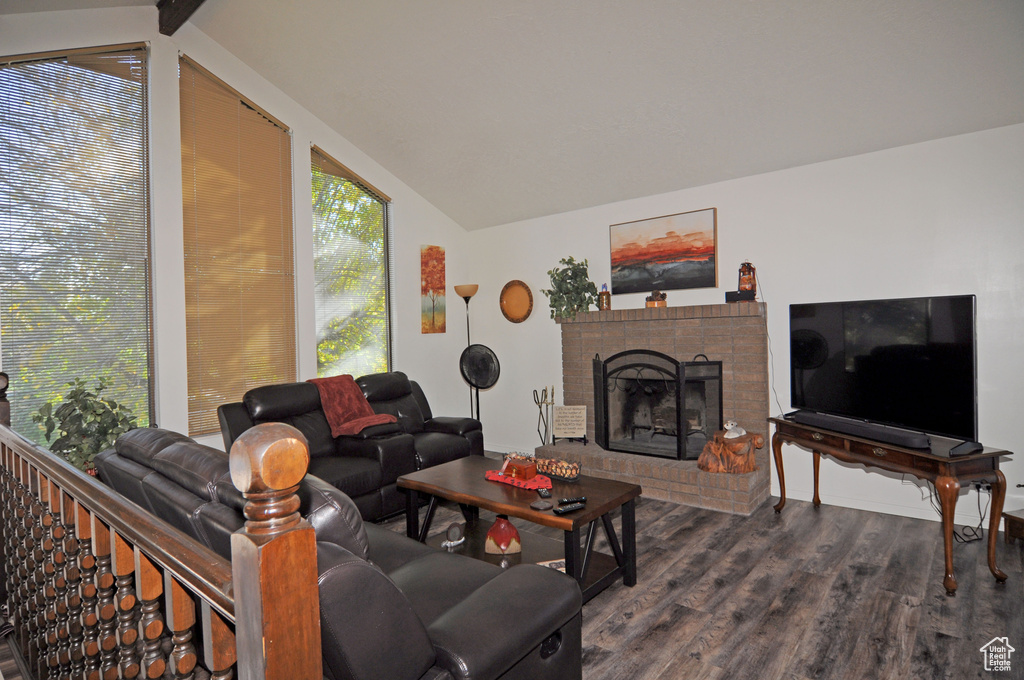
[905, 363]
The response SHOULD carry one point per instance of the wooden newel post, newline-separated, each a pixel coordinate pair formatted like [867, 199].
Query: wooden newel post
[273, 559]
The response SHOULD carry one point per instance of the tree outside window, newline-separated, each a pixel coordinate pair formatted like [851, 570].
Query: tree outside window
[350, 272]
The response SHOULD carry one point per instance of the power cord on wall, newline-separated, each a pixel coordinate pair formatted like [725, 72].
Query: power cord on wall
[771, 356]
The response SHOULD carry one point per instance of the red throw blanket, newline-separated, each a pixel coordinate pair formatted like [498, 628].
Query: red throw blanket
[346, 408]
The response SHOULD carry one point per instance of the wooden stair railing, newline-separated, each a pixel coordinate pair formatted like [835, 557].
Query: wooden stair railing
[97, 588]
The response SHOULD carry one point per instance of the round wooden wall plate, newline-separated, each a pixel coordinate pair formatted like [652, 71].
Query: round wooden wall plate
[516, 301]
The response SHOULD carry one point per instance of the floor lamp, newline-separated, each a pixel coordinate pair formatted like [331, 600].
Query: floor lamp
[466, 291]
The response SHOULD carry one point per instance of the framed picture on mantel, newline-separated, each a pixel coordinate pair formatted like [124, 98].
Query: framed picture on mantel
[665, 253]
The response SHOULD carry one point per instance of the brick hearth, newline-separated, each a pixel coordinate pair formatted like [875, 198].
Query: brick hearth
[734, 334]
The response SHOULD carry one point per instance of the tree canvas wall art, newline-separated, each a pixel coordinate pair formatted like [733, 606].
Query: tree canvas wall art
[432, 283]
[665, 253]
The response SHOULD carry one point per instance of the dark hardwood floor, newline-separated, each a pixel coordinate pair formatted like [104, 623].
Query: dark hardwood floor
[808, 594]
[8, 666]
[826, 594]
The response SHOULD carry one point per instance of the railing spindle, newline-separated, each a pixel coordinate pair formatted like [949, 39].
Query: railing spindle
[150, 587]
[90, 649]
[105, 607]
[123, 567]
[37, 578]
[181, 619]
[73, 597]
[219, 645]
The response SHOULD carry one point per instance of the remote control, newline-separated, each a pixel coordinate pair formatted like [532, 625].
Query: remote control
[543, 493]
[572, 507]
[574, 499]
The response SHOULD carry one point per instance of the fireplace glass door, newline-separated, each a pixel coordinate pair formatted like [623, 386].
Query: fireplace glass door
[648, 403]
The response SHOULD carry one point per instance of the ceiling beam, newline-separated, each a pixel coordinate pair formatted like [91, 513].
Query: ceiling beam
[174, 13]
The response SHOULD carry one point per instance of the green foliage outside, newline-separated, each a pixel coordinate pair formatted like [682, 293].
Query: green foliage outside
[571, 290]
[350, 272]
[85, 423]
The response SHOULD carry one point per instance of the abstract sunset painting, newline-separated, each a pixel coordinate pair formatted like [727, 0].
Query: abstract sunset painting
[665, 253]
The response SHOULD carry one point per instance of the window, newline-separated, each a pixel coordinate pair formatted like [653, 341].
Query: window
[239, 265]
[74, 228]
[351, 246]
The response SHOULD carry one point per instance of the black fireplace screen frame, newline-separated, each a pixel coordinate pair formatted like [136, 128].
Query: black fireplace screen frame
[643, 368]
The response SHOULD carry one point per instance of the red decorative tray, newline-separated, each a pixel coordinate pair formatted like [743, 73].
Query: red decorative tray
[537, 482]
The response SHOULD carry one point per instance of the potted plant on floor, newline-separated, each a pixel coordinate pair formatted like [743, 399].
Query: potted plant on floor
[85, 423]
[571, 290]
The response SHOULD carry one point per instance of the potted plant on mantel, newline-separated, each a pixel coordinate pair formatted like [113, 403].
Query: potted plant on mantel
[85, 424]
[571, 290]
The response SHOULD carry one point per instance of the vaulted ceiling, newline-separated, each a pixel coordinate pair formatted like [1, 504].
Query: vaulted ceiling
[502, 111]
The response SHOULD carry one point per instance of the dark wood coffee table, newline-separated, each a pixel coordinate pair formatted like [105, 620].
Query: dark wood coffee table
[463, 482]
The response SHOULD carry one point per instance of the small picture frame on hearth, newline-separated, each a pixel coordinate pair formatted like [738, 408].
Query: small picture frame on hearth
[570, 422]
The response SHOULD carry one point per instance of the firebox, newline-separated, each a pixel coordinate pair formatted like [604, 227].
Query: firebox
[648, 403]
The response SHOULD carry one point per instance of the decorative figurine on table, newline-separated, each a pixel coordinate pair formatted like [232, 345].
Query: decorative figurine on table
[502, 537]
[733, 430]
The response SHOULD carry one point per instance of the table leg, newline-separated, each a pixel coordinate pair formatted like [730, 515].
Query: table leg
[948, 488]
[998, 496]
[573, 561]
[817, 465]
[629, 542]
[777, 452]
[470, 513]
[431, 507]
[412, 514]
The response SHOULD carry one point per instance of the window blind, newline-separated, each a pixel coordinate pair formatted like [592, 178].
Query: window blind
[74, 228]
[239, 263]
[351, 242]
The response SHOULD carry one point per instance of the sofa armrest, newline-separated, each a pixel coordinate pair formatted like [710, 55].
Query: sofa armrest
[520, 609]
[375, 431]
[396, 453]
[368, 629]
[234, 420]
[449, 425]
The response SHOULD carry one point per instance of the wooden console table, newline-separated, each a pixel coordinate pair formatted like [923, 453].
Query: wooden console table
[934, 465]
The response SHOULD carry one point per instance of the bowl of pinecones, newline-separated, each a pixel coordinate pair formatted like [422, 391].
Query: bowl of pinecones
[561, 470]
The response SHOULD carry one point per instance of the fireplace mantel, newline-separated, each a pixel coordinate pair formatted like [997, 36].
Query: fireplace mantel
[733, 333]
[728, 310]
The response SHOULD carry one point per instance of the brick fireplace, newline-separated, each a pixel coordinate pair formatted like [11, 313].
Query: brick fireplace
[733, 333]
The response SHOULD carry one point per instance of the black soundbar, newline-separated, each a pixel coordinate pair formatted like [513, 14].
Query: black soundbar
[965, 448]
[860, 428]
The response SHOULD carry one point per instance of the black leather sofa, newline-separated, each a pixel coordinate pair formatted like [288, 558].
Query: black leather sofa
[364, 466]
[390, 607]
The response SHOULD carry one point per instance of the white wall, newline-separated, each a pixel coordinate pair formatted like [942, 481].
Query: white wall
[431, 359]
[943, 217]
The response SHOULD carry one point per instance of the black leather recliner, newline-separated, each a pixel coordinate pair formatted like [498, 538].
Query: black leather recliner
[365, 466]
[436, 440]
[390, 607]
